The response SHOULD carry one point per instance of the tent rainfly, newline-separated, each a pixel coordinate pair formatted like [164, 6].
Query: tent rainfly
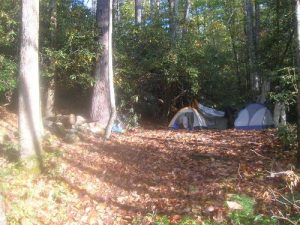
[254, 116]
[214, 119]
[188, 118]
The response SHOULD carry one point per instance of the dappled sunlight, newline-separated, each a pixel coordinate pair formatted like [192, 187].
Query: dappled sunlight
[168, 172]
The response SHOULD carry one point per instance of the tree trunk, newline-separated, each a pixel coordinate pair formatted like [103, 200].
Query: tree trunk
[100, 108]
[157, 2]
[172, 5]
[94, 6]
[250, 32]
[279, 115]
[265, 89]
[138, 11]
[116, 7]
[50, 98]
[152, 9]
[2, 212]
[298, 83]
[30, 120]
[50, 95]
[186, 16]
[113, 111]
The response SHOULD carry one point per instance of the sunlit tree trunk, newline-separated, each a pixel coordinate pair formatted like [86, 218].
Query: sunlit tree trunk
[50, 95]
[138, 11]
[113, 110]
[100, 108]
[30, 122]
[298, 71]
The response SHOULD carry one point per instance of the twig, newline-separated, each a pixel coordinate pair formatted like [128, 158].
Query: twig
[259, 154]
[239, 172]
[286, 219]
[281, 173]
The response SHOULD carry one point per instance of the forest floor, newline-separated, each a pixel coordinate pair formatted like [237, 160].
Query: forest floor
[141, 174]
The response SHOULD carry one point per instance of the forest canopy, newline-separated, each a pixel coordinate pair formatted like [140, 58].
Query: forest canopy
[208, 50]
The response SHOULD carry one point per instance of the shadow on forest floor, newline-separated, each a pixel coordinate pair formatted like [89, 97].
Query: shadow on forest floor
[171, 173]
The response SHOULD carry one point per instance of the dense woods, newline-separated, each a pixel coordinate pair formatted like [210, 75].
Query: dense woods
[95, 62]
[224, 53]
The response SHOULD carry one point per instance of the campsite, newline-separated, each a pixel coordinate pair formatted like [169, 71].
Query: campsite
[159, 112]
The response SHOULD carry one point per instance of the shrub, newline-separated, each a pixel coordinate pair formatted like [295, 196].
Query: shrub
[287, 135]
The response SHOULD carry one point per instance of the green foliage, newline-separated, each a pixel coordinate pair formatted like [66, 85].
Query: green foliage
[71, 57]
[9, 32]
[286, 86]
[188, 221]
[164, 220]
[247, 216]
[8, 70]
[287, 135]
[10, 151]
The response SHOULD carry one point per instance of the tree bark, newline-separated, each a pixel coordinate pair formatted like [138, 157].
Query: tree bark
[138, 11]
[186, 16]
[30, 120]
[298, 83]
[94, 6]
[2, 212]
[173, 4]
[152, 8]
[250, 32]
[157, 2]
[50, 95]
[113, 111]
[279, 115]
[100, 108]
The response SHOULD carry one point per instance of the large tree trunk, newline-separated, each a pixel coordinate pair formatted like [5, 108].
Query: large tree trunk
[251, 36]
[111, 80]
[298, 83]
[100, 109]
[30, 120]
[138, 11]
[50, 95]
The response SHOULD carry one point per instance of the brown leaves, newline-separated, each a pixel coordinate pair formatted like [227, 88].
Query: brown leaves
[161, 172]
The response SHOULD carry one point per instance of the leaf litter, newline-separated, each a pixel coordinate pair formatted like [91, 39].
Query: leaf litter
[152, 172]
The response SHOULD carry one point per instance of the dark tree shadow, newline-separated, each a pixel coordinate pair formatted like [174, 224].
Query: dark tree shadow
[36, 139]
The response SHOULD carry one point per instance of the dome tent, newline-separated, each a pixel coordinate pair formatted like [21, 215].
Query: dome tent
[188, 118]
[254, 116]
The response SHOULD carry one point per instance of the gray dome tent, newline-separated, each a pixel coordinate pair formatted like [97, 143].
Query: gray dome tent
[187, 118]
[254, 116]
